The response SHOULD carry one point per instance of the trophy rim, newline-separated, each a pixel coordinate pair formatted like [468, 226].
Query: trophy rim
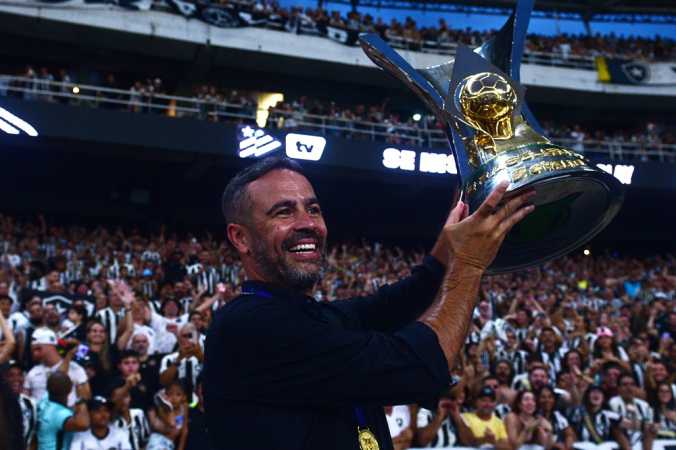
[615, 199]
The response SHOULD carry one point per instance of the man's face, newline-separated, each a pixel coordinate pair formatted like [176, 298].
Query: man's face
[38, 352]
[15, 378]
[611, 377]
[547, 338]
[198, 321]
[51, 315]
[288, 235]
[538, 378]
[140, 343]
[170, 309]
[100, 417]
[627, 386]
[129, 366]
[5, 307]
[659, 372]
[502, 372]
[485, 405]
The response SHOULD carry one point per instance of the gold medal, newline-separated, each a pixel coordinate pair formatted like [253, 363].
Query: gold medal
[367, 441]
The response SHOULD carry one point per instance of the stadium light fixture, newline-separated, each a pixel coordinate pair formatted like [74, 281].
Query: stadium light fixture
[76, 90]
[586, 252]
[417, 117]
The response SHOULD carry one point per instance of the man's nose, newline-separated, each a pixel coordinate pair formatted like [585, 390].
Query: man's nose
[305, 222]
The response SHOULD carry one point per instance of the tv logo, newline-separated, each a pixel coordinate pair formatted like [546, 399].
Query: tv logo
[303, 146]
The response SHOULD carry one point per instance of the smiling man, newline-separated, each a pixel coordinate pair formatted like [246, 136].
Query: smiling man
[283, 371]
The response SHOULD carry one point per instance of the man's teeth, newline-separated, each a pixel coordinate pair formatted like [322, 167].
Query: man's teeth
[303, 248]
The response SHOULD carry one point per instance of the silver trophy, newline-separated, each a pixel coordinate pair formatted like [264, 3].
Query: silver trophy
[494, 137]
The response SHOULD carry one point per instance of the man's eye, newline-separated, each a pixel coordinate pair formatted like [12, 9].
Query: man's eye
[284, 212]
[314, 210]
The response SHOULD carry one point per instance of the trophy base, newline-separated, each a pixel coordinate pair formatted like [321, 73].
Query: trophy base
[574, 202]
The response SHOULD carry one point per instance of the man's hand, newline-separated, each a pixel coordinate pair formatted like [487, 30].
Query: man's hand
[489, 436]
[474, 241]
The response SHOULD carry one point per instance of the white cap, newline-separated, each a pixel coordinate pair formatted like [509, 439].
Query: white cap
[43, 336]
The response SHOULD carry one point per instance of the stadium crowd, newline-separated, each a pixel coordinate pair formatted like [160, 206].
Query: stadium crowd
[103, 332]
[436, 37]
[357, 121]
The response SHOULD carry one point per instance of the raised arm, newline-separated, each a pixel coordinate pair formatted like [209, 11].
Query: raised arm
[473, 243]
[10, 342]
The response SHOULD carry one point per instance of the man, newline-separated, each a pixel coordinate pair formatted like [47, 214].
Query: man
[483, 428]
[550, 352]
[48, 361]
[308, 373]
[174, 270]
[112, 315]
[198, 439]
[100, 435]
[29, 413]
[185, 364]
[538, 377]
[635, 411]
[57, 421]
[439, 429]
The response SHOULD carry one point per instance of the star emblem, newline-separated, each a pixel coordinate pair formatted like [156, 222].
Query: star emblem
[247, 132]
[637, 72]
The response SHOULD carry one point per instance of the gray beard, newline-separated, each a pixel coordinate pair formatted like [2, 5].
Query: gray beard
[277, 269]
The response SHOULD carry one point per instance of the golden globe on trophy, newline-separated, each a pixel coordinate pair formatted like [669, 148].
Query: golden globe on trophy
[494, 137]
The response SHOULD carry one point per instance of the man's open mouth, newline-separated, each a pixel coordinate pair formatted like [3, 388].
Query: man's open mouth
[303, 249]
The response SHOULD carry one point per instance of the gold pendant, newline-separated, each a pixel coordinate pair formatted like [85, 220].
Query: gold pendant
[367, 441]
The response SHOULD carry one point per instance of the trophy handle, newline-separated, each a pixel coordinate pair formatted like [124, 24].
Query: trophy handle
[393, 63]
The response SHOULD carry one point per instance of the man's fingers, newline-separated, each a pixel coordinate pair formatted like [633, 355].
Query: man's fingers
[491, 202]
[514, 204]
[512, 220]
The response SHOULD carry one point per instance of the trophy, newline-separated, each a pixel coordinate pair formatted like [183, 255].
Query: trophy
[480, 104]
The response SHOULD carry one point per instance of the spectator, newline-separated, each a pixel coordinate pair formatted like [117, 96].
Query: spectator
[57, 422]
[186, 364]
[563, 434]
[635, 411]
[100, 434]
[524, 427]
[49, 362]
[482, 427]
[132, 420]
[175, 415]
[665, 412]
[29, 413]
[399, 422]
[439, 429]
[594, 422]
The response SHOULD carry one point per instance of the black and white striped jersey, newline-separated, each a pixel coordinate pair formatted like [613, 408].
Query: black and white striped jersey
[137, 428]
[208, 279]
[110, 320]
[643, 410]
[447, 434]
[603, 421]
[29, 412]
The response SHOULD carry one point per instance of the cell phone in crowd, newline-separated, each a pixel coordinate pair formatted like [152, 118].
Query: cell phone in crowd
[221, 287]
[81, 352]
[666, 336]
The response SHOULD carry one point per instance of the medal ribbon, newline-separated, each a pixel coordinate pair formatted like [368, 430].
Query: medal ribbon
[253, 292]
[361, 423]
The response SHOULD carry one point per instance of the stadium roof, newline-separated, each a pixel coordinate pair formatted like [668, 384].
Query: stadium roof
[646, 11]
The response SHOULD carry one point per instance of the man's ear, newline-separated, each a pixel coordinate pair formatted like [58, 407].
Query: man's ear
[240, 238]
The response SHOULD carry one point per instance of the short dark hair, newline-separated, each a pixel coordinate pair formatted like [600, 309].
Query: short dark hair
[127, 353]
[236, 201]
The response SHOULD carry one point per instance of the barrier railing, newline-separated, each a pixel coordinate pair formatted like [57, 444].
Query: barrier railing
[205, 108]
[529, 56]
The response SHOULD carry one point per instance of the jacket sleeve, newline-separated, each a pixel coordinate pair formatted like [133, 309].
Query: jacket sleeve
[396, 305]
[265, 350]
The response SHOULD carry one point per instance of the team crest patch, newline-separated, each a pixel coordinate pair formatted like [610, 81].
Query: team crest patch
[637, 72]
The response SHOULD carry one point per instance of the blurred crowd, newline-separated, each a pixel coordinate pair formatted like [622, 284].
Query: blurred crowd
[381, 123]
[439, 37]
[103, 333]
